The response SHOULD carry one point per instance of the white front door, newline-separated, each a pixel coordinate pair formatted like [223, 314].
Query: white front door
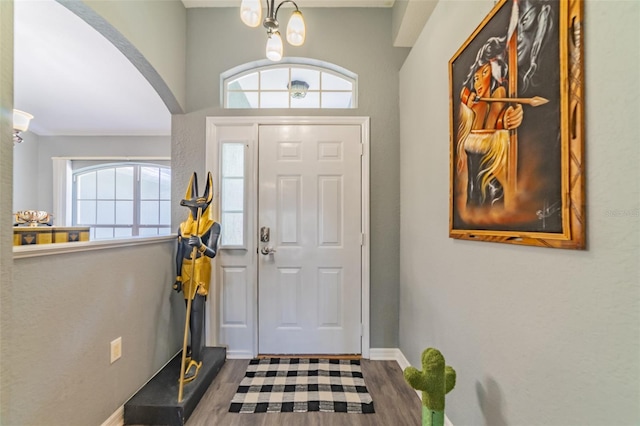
[309, 198]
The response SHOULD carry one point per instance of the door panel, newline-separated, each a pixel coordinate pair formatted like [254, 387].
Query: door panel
[330, 210]
[309, 288]
[234, 295]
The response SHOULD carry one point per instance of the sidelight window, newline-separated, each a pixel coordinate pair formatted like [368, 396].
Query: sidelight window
[232, 194]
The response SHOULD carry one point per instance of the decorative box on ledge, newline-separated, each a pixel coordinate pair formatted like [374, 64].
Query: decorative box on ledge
[34, 227]
[26, 235]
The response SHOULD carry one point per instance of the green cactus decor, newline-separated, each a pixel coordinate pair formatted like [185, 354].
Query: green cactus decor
[435, 380]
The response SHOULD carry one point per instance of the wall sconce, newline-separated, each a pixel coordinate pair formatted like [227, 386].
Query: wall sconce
[251, 15]
[21, 121]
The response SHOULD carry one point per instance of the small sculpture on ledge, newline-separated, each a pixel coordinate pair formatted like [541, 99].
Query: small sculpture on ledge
[33, 218]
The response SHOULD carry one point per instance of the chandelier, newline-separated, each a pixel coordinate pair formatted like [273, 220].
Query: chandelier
[251, 15]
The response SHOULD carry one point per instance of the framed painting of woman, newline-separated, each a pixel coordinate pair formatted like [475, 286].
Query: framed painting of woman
[516, 114]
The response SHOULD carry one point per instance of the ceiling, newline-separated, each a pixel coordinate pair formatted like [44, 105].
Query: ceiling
[75, 82]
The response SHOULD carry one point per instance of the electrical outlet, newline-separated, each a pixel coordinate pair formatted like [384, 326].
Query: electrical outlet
[116, 349]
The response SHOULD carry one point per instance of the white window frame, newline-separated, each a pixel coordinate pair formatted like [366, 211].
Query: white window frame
[288, 63]
[63, 183]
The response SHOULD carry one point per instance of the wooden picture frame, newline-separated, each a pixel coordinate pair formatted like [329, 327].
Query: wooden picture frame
[516, 115]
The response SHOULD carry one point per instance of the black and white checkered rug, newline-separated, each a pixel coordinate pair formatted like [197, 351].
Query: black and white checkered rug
[276, 385]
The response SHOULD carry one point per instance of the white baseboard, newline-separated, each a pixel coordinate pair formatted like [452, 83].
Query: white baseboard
[389, 354]
[239, 354]
[116, 419]
[447, 422]
[395, 354]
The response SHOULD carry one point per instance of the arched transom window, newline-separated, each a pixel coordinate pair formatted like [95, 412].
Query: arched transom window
[290, 85]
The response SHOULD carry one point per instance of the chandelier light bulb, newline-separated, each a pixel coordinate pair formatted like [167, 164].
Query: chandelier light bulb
[274, 46]
[251, 12]
[21, 120]
[251, 15]
[296, 30]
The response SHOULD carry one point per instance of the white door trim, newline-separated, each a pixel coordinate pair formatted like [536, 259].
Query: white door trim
[211, 164]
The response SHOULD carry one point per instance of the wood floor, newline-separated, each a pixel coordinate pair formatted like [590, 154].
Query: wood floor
[395, 402]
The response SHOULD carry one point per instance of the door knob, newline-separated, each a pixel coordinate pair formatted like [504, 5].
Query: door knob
[267, 250]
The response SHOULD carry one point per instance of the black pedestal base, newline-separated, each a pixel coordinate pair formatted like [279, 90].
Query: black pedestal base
[157, 402]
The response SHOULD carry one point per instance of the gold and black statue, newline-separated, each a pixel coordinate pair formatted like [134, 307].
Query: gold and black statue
[197, 243]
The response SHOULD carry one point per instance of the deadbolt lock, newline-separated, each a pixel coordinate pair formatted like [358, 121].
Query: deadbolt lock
[264, 234]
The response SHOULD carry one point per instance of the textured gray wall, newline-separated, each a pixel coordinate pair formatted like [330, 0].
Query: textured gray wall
[358, 39]
[538, 336]
[64, 311]
[6, 171]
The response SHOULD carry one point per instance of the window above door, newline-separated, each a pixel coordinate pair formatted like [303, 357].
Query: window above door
[296, 83]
